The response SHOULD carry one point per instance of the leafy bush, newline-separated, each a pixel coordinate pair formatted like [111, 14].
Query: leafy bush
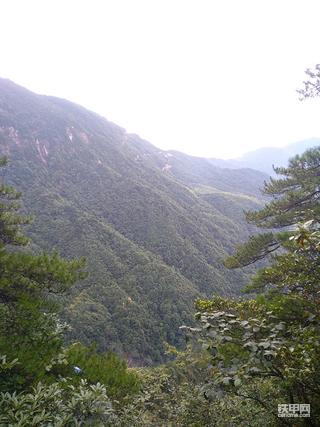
[106, 368]
[58, 404]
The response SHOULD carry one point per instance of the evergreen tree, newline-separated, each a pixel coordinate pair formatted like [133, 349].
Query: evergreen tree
[294, 206]
[275, 337]
[29, 330]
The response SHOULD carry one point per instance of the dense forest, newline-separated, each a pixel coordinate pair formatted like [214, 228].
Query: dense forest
[243, 355]
[153, 227]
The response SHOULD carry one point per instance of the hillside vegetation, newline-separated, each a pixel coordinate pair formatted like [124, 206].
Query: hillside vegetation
[153, 241]
[247, 361]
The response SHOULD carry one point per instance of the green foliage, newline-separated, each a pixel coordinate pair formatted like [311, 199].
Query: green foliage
[295, 200]
[257, 248]
[34, 276]
[276, 336]
[29, 331]
[149, 236]
[266, 339]
[31, 341]
[107, 369]
[295, 196]
[175, 396]
[10, 221]
[295, 271]
[58, 404]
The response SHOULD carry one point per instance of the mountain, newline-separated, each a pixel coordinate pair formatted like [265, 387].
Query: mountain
[262, 159]
[153, 225]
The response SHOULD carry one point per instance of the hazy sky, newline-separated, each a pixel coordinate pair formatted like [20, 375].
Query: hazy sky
[211, 78]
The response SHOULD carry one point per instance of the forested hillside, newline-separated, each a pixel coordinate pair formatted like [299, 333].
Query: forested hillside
[153, 225]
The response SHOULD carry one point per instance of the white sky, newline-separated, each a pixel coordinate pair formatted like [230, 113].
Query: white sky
[208, 77]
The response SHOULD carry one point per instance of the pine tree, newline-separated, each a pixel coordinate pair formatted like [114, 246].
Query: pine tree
[267, 349]
[294, 207]
[29, 330]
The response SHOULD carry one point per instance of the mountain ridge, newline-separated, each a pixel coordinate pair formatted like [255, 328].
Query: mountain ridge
[154, 242]
[265, 158]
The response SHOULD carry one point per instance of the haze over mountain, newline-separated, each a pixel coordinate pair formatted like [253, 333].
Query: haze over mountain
[154, 225]
[263, 158]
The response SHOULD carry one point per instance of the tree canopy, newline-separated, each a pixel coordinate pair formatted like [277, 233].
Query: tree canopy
[38, 381]
[294, 199]
[274, 337]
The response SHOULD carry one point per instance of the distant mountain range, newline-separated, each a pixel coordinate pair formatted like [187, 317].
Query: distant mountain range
[154, 225]
[263, 158]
